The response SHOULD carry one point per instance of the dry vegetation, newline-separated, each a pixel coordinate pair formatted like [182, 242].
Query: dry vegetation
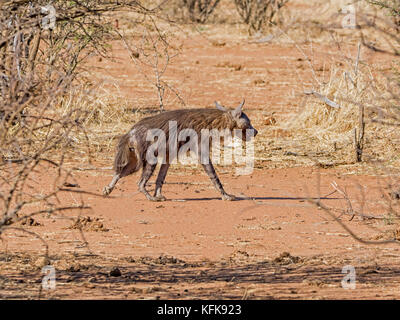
[56, 117]
[45, 108]
[345, 96]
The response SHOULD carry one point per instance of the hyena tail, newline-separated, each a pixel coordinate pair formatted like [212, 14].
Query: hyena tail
[127, 161]
[127, 158]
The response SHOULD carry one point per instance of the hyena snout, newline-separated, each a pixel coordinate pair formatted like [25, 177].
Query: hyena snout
[249, 134]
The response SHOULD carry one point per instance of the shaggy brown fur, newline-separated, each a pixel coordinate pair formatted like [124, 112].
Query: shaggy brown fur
[132, 147]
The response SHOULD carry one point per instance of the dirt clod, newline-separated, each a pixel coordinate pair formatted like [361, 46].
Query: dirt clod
[30, 222]
[162, 260]
[41, 262]
[286, 258]
[88, 224]
[115, 272]
[75, 267]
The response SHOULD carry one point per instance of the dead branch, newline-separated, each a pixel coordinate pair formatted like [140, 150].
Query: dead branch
[200, 10]
[323, 98]
[153, 52]
[257, 14]
[348, 230]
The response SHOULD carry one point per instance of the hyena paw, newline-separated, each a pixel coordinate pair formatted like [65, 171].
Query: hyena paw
[228, 197]
[156, 198]
[161, 198]
[107, 190]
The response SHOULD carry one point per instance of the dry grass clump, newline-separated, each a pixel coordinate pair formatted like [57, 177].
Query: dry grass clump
[108, 116]
[325, 126]
[102, 105]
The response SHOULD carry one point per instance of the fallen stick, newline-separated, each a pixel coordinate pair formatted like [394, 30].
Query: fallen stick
[323, 98]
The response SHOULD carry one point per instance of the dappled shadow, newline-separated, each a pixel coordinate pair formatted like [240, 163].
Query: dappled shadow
[254, 198]
[200, 277]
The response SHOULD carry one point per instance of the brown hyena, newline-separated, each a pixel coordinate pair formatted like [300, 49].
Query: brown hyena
[132, 148]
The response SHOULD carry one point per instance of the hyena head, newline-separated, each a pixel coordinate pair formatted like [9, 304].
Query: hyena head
[241, 121]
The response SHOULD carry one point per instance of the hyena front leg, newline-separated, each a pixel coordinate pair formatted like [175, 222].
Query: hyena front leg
[160, 181]
[147, 172]
[209, 168]
[128, 169]
[108, 189]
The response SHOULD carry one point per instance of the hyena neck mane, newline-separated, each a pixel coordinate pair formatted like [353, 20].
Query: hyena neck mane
[196, 119]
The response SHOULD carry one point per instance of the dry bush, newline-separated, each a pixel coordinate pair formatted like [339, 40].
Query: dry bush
[386, 107]
[331, 126]
[392, 7]
[351, 113]
[322, 130]
[183, 11]
[257, 14]
[42, 117]
[152, 50]
[199, 10]
[357, 90]
[378, 25]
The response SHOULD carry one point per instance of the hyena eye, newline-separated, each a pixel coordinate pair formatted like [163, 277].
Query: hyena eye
[242, 123]
[246, 125]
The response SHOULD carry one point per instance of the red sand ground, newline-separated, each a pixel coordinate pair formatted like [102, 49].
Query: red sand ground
[197, 246]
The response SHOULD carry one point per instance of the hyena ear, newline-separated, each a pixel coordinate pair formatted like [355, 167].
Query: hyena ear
[220, 107]
[238, 111]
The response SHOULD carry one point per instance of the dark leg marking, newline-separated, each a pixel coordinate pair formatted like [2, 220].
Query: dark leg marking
[147, 172]
[209, 169]
[160, 181]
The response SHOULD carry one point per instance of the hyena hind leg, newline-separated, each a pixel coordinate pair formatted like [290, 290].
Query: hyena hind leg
[209, 169]
[147, 172]
[160, 181]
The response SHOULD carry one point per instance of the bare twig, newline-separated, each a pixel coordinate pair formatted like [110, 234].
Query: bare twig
[345, 227]
[153, 51]
[323, 98]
